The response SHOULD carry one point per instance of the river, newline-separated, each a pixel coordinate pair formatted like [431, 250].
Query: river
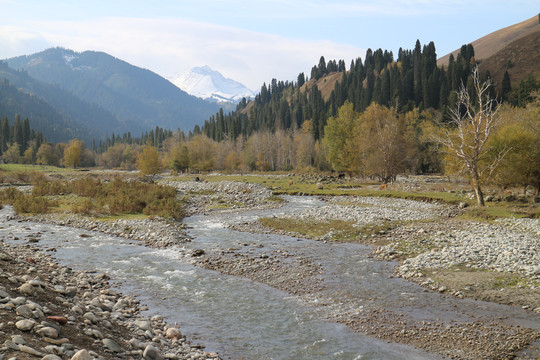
[242, 319]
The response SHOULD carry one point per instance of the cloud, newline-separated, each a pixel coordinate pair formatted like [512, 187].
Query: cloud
[15, 40]
[169, 46]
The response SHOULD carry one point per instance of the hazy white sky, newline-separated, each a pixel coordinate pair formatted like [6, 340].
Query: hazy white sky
[249, 41]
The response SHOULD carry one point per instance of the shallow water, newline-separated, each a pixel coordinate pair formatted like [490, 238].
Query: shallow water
[242, 319]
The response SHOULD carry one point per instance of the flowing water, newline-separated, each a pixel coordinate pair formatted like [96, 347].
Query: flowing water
[243, 319]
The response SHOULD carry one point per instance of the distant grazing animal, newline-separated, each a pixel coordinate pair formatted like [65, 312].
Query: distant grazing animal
[383, 187]
[291, 182]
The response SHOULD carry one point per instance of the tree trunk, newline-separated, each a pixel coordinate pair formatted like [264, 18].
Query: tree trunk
[478, 191]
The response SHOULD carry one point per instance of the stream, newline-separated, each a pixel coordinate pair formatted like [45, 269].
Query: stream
[242, 319]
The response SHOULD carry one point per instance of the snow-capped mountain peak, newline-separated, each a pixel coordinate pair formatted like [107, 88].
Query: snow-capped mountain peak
[209, 84]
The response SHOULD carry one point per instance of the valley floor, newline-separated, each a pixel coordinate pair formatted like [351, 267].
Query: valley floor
[495, 261]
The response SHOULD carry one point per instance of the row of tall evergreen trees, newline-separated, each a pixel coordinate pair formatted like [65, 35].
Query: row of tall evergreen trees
[154, 137]
[413, 80]
[19, 132]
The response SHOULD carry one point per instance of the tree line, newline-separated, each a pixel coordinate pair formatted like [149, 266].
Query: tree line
[18, 140]
[379, 121]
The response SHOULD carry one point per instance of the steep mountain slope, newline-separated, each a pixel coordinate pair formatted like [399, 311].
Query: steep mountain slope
[41, 115]
[209, 84]
[520, 58]
[494, 42]
[137, 97]
[87, 120]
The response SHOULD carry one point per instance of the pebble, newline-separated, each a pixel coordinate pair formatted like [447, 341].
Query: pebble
[151, 353]
[112, 345]
[510, 245]
[25, 325]
[82, 355]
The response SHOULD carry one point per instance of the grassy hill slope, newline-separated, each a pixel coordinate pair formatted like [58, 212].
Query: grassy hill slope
[491, 44]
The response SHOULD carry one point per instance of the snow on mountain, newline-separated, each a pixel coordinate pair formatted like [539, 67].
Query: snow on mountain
[210, 85]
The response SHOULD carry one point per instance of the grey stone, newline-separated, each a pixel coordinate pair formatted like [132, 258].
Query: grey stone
[137, 344]
[37, 283]
[91, 317]
[49, 332]
[111, 345]
[24, 311]
[3, 293]
[29, 350]
[18, 339]
[25, 325]
[151, 353]
[51, 357]
[11, 345]
[82, 355]
[77, 309]
[19, 300]
[143, 325]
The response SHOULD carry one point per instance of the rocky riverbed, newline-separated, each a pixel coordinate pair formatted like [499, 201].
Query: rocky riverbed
[443, 254]
[204, 196]
[50, 312]
[487, 261]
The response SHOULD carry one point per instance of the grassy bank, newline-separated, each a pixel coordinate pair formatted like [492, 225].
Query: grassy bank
[448, 193]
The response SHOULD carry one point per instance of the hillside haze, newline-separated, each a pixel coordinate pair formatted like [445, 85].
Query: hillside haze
[138, 98]
[56, 112]
[211, 85]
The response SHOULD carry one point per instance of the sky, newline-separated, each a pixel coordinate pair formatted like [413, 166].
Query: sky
[249, 41]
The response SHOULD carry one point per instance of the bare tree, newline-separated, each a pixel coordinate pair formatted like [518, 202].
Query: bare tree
[465, 137]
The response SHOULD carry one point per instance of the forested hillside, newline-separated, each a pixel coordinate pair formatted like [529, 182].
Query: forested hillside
[77, 117]
[45, 118]
[138, 98]
[412, 81]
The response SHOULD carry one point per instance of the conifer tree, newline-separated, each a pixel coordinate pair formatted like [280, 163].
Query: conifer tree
[506, 86]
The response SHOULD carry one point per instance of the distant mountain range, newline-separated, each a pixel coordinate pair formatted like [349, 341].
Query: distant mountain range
[89, 95]
[210, 85]
[103, 94]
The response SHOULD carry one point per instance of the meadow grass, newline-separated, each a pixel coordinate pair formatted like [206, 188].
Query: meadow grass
[332, 229]
[28, 167]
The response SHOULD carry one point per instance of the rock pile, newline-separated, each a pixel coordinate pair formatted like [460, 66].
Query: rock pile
[226, 194]
[155, 232]
[372, 210]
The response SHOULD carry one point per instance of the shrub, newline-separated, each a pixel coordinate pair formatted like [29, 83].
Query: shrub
[86, 187]
[85, 207]
[118, 197]
[9, 194]
[31, 204]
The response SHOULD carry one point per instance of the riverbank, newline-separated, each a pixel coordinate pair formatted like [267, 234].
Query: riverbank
[427, 238]
[495, 262]
[50, 312]
[415, 228]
